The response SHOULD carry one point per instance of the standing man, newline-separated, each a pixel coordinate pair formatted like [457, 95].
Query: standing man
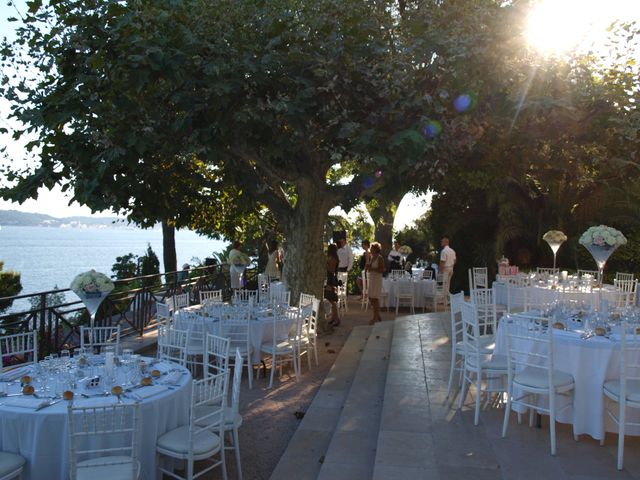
[447, 258]
[345, 257]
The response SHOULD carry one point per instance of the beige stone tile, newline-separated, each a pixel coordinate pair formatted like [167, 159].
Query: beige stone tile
[406, 449]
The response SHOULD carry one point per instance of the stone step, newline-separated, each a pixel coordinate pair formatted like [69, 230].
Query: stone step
[352, 451]
[307, 448]
[404, 441]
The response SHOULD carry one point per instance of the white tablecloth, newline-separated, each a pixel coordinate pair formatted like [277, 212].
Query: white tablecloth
[591, 362]
[260, 328]
[42, 436]
[549, 295]
[421, 288]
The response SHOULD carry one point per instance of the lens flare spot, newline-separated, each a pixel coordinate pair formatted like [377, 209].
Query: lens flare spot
[463, 102]
[367, 182]
[432, 129]
[378, 173]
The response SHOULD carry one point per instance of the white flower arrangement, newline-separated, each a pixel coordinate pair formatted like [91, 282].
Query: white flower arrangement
[405, 250]
[554, 236]
[603, 236]
[239, 258]
[91, 283]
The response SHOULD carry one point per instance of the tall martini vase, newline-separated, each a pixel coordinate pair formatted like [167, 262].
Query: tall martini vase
[92, 301]
[555, 246]
[601, 254]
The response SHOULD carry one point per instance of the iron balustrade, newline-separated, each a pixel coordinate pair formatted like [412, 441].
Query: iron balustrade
[131, 304]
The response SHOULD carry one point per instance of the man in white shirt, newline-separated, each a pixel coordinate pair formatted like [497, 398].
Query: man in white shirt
[447, 258]
[345, 257]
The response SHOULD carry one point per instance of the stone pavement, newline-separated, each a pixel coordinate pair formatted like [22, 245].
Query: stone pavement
[408, 429]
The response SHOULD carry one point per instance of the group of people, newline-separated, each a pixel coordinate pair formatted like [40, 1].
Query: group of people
[340, 259]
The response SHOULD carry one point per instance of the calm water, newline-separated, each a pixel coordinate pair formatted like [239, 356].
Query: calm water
[46, 257]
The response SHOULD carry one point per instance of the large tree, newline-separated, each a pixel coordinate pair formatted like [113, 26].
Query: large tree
[201, 113]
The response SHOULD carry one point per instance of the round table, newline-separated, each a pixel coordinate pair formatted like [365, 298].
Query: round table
[592, 362]
[421, 287]
[41, 436]
[260, 326]
[547, 294]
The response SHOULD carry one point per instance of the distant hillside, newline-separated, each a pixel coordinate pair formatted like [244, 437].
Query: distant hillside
[24, 219]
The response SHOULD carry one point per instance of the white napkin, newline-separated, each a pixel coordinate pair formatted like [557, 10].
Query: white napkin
[81, 401]
[24, 401]
[146, 392]
[15, 373]
[173, 378]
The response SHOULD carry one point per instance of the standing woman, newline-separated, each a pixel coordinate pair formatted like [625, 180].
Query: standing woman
[271, 270]
[332, 282]
[375, 269]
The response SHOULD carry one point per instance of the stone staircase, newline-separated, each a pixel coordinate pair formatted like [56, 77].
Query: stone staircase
[338, 436]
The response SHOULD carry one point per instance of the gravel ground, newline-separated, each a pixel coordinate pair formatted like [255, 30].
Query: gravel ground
[269, 415]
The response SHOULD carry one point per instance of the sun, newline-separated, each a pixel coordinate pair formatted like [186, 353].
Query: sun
[558, 27]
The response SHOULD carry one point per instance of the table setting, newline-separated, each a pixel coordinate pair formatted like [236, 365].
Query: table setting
[34, 401]
[586, 345]
[421, 288]
[260, 316]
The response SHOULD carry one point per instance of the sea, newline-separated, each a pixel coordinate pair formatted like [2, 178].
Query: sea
[49, 257]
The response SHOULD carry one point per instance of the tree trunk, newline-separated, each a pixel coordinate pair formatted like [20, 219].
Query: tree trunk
[169, 256]
[383, 215]
[305, 260]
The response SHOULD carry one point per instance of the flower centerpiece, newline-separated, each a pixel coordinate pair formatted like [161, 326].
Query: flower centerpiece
[554, 238]
[602, 241]
[92, 288]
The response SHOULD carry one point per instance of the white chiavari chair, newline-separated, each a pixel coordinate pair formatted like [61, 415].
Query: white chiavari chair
[197, 440]
[440, 293]
[342, 291]
[11, 466]
[100, 337]
[103, 441]
[242, 296]
[172, 346]
[283, 348]
[625, 390]
[237, 329]
[210, 296]
[547, 271]
[625, 292]
[19, 349]
[427, 274]
[478, 364]
[232, 417]
[364, 302]
[180, 301]
[624, 276]
[280, 297]
[405, 294]
[532, 372]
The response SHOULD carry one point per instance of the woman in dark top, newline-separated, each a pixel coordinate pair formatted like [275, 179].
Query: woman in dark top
[332, 282]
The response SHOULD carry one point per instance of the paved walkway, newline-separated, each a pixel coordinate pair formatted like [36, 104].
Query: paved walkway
[424, 435]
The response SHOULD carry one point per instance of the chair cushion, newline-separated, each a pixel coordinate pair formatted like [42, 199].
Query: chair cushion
[281, 348]
[106, 468]
[10, 462]
[486, 341]
[177, 440]
[495, 362]
[538, 378]
[612, 390]
[231, 419]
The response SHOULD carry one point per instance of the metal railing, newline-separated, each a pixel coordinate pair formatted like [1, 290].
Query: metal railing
[131, 305]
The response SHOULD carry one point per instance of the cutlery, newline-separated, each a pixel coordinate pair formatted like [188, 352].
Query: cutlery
[47, 404]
